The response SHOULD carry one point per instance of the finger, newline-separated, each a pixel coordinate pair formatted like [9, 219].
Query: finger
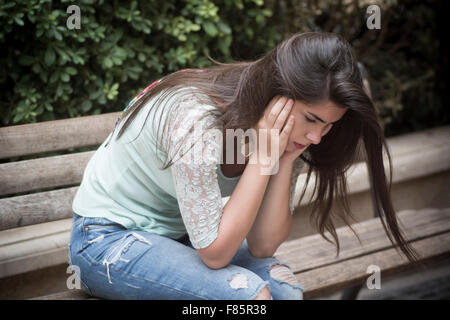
[286, 132]
[284, 124]
[283, 115]
[272, 102]
[274, 111]
[270, 106]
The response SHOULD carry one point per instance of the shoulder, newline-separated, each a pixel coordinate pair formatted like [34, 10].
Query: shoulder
[192, 118]
[192, 107]
[192, 101]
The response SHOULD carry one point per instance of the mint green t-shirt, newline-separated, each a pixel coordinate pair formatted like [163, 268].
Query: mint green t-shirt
[125, 183]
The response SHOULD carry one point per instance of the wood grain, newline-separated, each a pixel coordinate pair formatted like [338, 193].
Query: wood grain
[55, 135]
[42, 173]
[36, 208]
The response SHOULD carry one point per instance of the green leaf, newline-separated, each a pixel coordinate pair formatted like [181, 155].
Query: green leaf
[95, 95]
[108, 63]
[224, 27]
[49, 57]
[141, 57]
[36, 68]
[86, 105]
[71, 70]
[210, 28]
[65, 77]
[19, 21]
[18, 117]
[59, 91]
[54, 77]
[48, 106]
[43, 76]
[58, 36]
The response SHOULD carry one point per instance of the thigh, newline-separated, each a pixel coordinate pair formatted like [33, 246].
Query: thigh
[116, 263]
[283, 284]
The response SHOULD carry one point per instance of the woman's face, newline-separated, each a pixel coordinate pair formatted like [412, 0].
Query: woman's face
[312, 122]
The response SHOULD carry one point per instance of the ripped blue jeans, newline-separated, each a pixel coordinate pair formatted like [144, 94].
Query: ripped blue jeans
[117, 263]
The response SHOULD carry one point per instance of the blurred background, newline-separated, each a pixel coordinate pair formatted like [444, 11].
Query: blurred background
[50, 71]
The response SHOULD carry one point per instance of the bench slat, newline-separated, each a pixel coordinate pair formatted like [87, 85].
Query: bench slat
[332, 278]
[30, 175]
[36, 208]
[55, 135]
[34, 247]
[67, 295]
[313, 251]
[25, 234]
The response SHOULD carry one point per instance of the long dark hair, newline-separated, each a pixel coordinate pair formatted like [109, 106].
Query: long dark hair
[311, 67]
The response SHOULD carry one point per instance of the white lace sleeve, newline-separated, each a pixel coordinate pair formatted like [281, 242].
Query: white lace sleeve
[194, 172]
[298, 165]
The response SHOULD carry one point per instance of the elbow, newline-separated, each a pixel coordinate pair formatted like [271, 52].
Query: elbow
[214, 264]
[210, 259]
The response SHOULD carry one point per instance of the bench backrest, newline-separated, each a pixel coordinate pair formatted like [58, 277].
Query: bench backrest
[25, 184]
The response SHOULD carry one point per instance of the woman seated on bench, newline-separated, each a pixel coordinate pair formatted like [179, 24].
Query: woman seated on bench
[149, 221]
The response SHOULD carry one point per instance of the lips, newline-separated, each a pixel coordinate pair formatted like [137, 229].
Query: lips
[299, 146]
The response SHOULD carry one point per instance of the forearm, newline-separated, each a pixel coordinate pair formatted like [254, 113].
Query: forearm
[239, 215]
[273, 222]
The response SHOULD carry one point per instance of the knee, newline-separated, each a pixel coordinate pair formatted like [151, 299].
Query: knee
[264, 294]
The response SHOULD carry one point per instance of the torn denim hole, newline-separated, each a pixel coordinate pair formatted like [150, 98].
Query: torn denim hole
[120, 248]
[239, 281]
[282, 272]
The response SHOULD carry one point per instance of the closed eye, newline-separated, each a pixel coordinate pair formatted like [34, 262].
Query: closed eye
[310, 120]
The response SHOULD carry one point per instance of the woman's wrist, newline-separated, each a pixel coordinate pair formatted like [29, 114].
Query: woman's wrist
[267, 165]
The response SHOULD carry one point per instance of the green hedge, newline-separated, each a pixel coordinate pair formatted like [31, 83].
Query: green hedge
[50, 72]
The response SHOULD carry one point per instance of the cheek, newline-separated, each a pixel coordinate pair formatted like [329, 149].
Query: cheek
[296, 133]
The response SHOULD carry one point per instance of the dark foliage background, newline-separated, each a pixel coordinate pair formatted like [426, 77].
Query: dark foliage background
[50, 72]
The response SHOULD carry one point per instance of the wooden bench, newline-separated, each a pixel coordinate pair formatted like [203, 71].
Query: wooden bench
[35, 221]
[316, 266]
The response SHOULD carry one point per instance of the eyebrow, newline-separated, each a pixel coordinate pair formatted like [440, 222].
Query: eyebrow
[318, 118]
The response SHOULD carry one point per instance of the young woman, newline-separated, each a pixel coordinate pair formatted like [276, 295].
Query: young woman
[149, 221]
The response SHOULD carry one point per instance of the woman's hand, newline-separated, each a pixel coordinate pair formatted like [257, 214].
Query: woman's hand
[289, 157]
[273, 131]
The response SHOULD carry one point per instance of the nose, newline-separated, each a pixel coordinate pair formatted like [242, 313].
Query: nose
[314, 136]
